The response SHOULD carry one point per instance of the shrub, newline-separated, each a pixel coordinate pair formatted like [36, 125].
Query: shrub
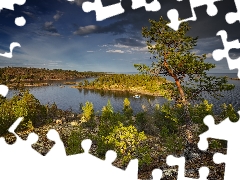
[74, 143]
[228, 111]
[88, 112]
[127, 110]
[29, 107]
[127, 142]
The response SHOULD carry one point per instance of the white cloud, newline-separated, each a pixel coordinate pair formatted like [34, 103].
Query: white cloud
[86, 30]
[209, 55]
[57, 16]
[120, 46]
[140, 49]
[115, 51]
[78, 2]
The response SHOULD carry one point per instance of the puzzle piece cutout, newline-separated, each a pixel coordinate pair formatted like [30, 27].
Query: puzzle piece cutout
[153, 6]
[224, 53]
[34, 162]
[3, 90]
[217, 132]
[173, 14]
[103, 13]
[9, 4]
[12, 46]
[172, 161]
[19, 21]
[232, 17]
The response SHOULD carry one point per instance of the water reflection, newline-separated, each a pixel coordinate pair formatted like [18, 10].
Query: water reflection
[67, 97]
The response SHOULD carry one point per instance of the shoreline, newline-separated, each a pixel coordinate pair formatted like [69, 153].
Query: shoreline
[121, 90]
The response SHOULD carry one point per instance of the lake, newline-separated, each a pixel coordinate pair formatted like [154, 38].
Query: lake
[69, 98]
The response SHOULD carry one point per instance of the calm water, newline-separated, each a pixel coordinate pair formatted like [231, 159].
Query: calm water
[66, 97]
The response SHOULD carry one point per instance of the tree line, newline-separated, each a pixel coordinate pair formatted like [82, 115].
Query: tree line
[137, 83]
[10, 75]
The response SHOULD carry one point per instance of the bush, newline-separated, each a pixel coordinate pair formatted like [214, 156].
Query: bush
[127, 110]
[29, 107]
[88, 112]
[228, 111]
[74, 143]
[127, 142]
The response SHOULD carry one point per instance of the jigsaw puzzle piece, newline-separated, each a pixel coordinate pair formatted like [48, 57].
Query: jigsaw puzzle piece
[180, 162]
[103, 12]
[157, 174]
[9, 4]
[12, 46]
[232, 17]
[224, 53]
[217, 132]
[92, 162]
[153, 6]
[3, 90]
[173, 14]
[58, 149]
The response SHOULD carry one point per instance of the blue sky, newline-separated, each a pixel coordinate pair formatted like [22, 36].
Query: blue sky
[59, 34]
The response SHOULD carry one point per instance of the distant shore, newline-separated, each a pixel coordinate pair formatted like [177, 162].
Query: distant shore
[133, 91]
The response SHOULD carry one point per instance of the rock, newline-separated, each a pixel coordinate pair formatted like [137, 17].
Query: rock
[58, 121]
[74, 123]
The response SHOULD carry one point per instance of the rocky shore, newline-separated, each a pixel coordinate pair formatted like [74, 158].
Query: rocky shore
[197, 160]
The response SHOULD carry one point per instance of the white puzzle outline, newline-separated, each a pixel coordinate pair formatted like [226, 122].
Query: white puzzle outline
[229, 159]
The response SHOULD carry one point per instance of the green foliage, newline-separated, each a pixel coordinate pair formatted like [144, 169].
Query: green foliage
[107, 111]
[126, 141]
[127, 110]
[30, 108]
[74, 143]
[88, 112]
[27, 106]
[15, 76]
[133, 83]
[7, 116]
[174, 57]
[228, 111]
[168, 116]
[172, 142]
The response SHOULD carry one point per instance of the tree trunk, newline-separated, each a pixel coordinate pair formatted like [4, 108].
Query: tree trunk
[188, 131]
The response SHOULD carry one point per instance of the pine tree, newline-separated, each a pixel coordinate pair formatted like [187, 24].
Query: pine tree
[172, 51]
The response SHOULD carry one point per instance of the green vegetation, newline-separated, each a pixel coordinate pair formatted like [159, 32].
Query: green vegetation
[21, 76]
[139, 83]
[146, 135]
[156, 131]
[174, 57]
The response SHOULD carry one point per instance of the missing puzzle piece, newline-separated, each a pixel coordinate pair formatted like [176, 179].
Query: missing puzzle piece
[224, 53]
[231, 134]
[232, 17]
[3, 90]
[9, 4]
[107, 170]
[173, 14]
[12, 46]
[102, 12]
[180, 162]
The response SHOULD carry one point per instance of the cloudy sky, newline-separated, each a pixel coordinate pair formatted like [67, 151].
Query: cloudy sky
[59, 34]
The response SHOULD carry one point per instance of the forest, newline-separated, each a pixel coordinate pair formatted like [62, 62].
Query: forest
[20, 76]
[137, 83]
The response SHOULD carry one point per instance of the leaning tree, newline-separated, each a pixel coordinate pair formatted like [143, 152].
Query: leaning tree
[174, 56]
